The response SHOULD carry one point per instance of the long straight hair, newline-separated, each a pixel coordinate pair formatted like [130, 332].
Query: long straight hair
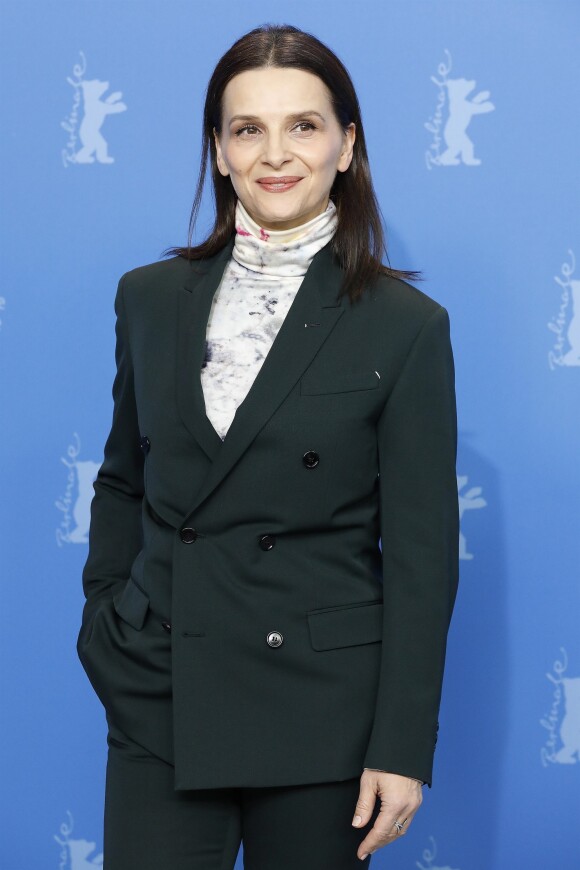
[359, 241]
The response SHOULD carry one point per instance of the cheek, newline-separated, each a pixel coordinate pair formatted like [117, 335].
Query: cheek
[325, 161]
[234, 159]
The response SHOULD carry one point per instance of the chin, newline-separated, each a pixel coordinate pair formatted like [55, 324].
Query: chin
[279, 216]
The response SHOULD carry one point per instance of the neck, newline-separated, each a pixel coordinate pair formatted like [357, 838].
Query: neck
[281, 252]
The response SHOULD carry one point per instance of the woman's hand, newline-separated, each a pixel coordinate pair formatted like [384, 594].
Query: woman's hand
[400, 797]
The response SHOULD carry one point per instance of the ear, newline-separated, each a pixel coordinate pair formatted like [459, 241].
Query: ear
[347, 150]
[219, 157]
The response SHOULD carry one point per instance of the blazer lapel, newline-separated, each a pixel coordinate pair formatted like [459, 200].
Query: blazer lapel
[195, 300]
[310, 319]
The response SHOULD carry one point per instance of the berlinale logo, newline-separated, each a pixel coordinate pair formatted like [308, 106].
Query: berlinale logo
[562, 722]
[75, 854]
[566, 324]
[86, 118]
[454, 111]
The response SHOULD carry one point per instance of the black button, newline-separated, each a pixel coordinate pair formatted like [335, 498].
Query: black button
[188, 536]
[267, 542]
[145, 444]
[166, 626]
[310, 459]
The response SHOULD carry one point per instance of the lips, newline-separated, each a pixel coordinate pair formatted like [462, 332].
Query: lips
[282, 179]
[279, 184]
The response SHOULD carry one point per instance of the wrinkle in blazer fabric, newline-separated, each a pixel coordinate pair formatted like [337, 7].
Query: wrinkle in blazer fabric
[347, 435]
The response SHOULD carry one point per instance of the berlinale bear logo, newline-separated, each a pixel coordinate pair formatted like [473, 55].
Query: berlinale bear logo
[454, 96]
[76, 854]
[562, 722]
[86, 118]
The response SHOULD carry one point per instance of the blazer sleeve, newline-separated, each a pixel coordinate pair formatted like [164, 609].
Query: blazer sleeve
[115, 533]
[419, 522]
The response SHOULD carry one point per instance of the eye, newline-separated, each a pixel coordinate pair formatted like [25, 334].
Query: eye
[247, 127]
[253, 127]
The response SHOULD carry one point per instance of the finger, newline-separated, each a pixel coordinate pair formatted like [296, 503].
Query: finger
[384, 830]
[365, 804]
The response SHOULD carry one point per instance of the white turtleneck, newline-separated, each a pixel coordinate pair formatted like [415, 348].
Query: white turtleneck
[257, 289]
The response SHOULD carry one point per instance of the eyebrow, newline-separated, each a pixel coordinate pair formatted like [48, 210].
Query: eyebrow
[290, 117]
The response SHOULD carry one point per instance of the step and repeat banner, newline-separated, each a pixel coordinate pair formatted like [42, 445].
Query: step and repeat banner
[471, 113]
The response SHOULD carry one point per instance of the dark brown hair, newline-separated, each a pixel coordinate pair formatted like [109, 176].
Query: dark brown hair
[359, 240]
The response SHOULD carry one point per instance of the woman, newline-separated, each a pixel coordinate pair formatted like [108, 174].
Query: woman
[283, 402]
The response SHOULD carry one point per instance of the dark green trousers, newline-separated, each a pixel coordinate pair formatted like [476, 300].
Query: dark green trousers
[150, 826]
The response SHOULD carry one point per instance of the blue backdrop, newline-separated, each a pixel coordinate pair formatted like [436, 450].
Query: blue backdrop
[471, 115]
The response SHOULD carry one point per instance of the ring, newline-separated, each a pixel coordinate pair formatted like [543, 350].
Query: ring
[399, 825]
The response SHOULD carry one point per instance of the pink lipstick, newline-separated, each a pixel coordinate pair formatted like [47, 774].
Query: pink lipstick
[279, 184]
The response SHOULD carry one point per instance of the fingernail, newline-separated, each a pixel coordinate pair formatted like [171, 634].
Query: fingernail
[362, 857]
[357, 820]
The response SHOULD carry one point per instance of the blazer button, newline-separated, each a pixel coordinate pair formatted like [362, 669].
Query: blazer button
[274, 638]
[166, 626]
[310, 459]
[188, 536]
[267, 542]
[145, 444]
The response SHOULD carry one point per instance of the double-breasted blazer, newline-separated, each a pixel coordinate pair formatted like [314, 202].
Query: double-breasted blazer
[272, 609]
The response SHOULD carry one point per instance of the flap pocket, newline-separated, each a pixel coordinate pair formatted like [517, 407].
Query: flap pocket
[132, 604]
[342, 382]
[346, 625]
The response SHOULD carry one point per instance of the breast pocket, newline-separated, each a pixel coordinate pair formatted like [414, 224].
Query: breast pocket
[344, 382]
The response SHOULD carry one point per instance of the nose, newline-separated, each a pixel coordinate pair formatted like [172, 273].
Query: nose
[275, 151]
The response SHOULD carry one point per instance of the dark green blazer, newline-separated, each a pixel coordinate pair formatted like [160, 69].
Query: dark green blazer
[241, 620]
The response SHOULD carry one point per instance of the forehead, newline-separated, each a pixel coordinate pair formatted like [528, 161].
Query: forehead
[275, 92]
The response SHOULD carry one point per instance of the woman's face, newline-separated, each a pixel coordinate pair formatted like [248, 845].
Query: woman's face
[277, 123]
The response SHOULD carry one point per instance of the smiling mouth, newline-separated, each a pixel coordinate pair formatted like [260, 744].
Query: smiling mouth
[279, 183]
